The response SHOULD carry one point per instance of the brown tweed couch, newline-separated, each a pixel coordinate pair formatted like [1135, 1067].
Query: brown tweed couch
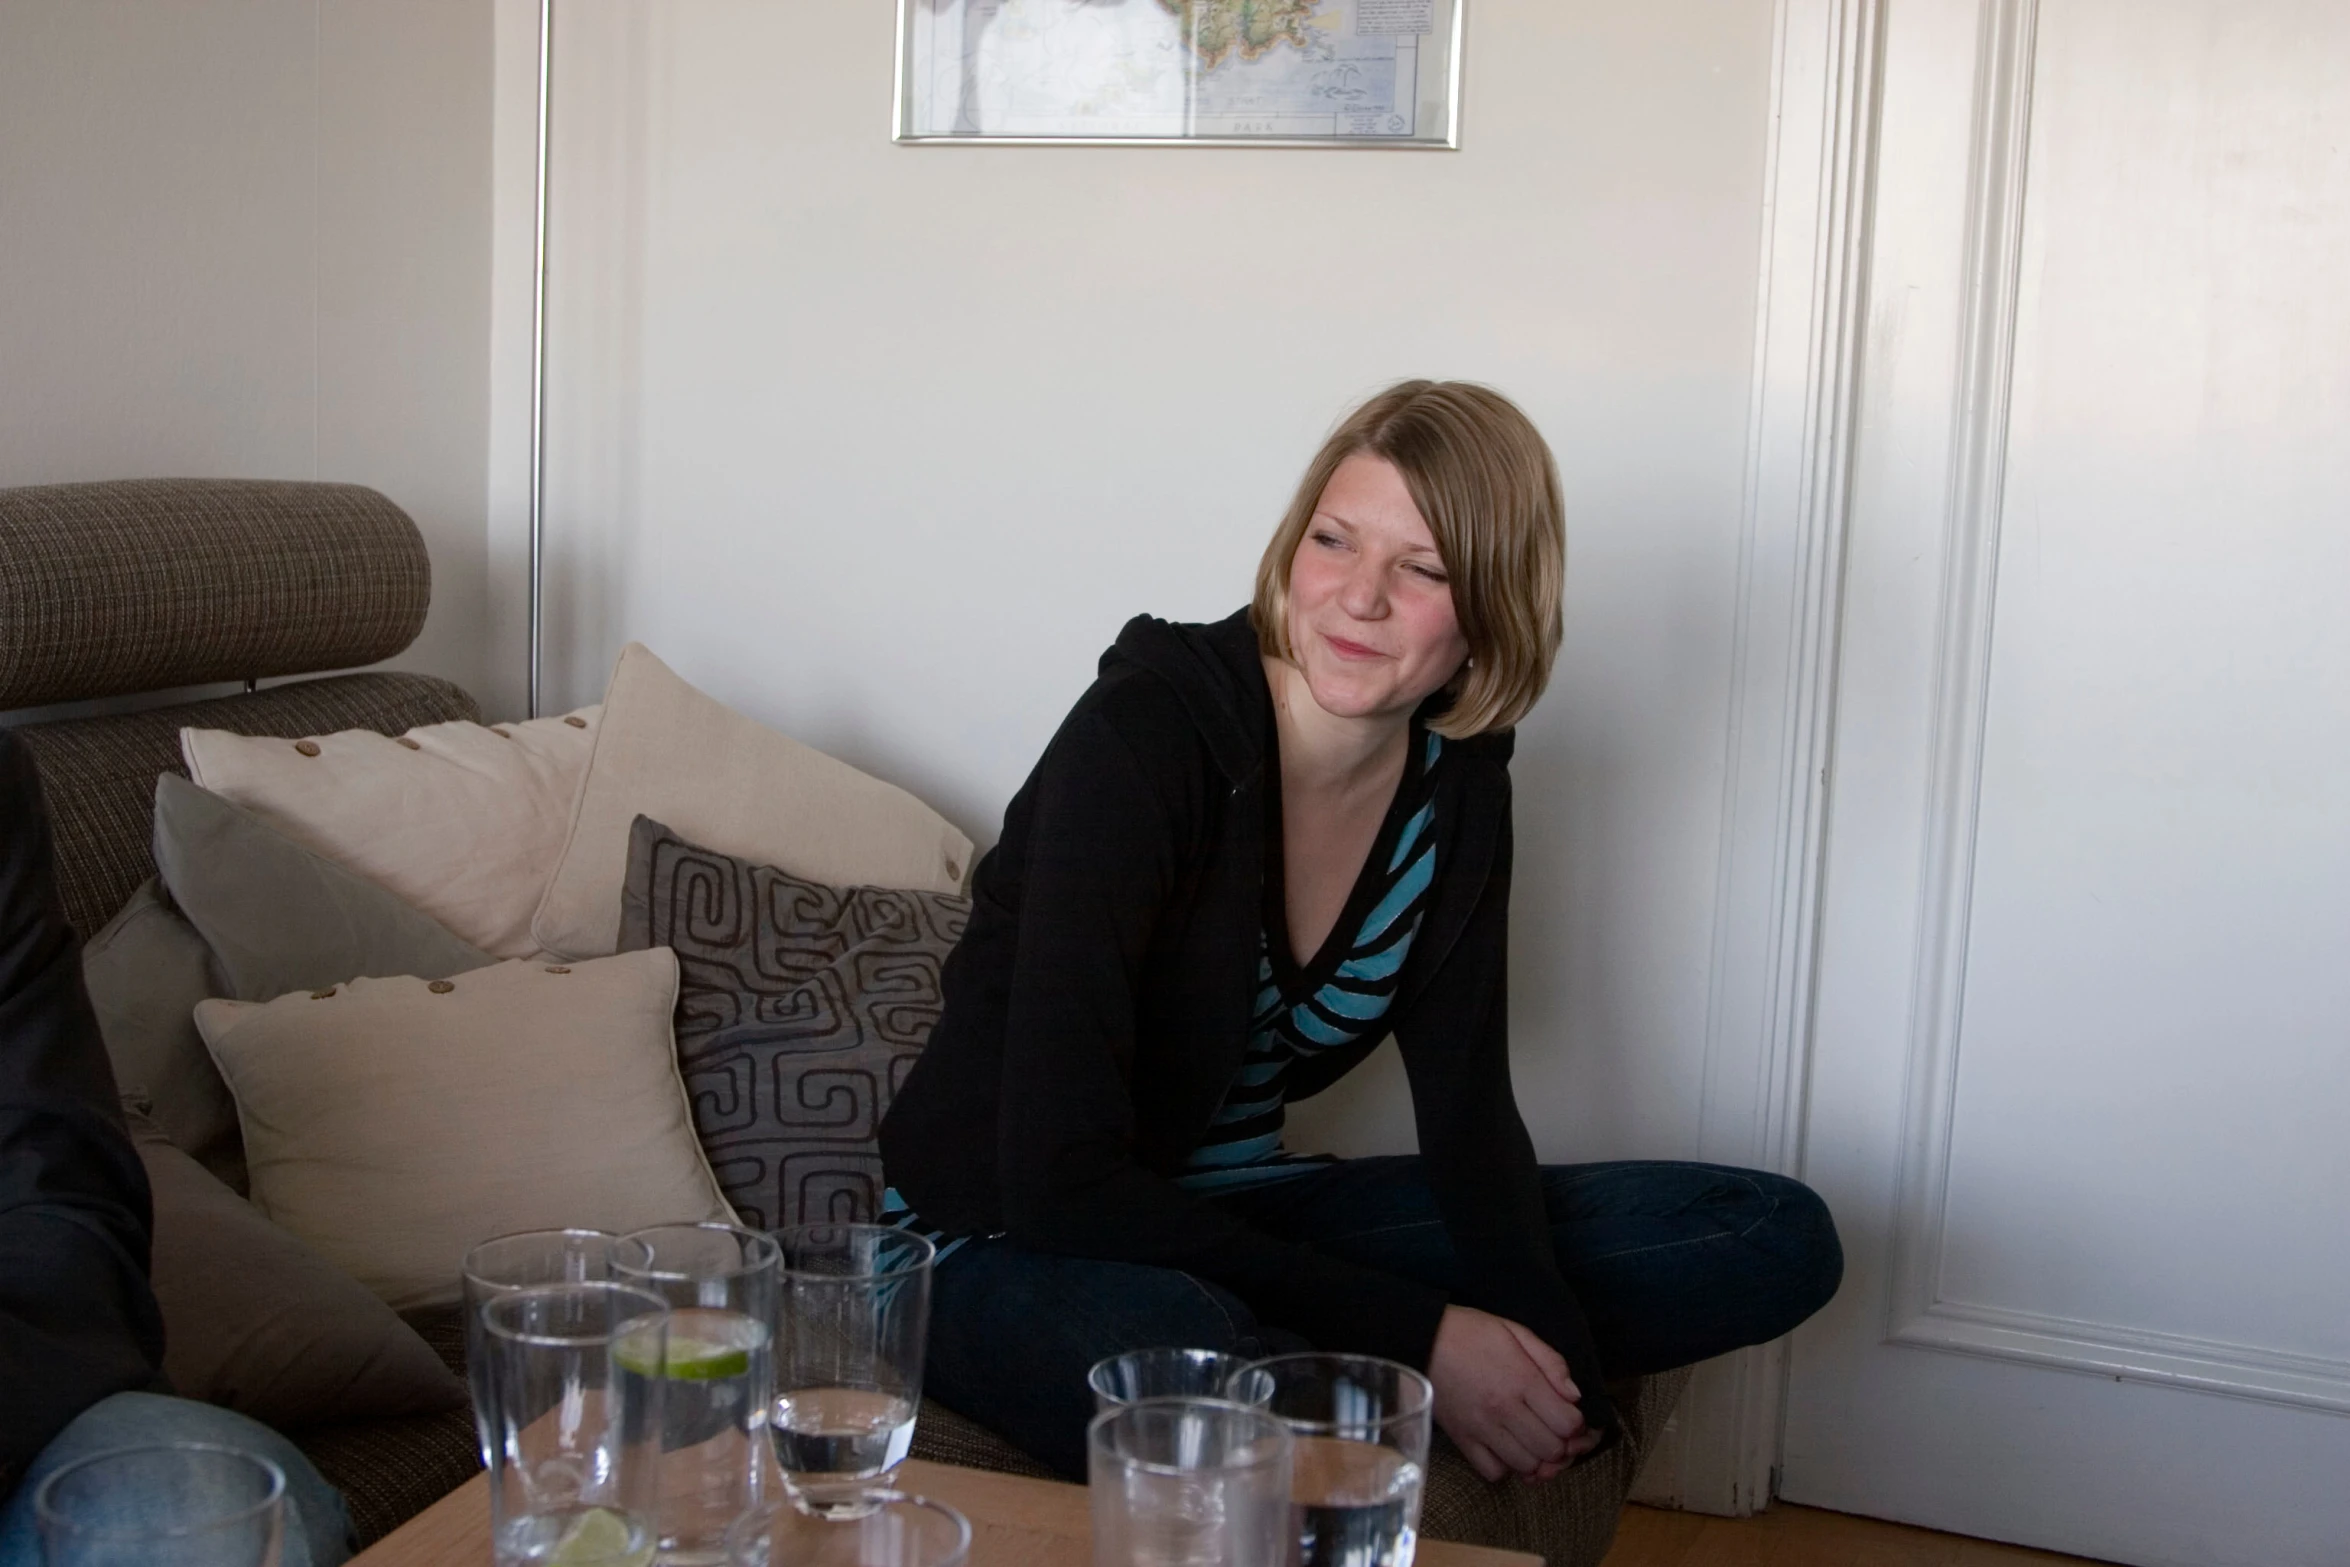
[144, 586]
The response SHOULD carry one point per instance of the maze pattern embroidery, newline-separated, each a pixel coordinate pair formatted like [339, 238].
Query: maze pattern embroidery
[800, 1010]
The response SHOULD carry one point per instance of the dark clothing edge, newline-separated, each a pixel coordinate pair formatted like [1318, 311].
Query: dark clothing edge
[78, 1321]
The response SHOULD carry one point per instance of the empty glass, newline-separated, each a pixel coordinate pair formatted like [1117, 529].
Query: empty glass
[513, 1262]
[1189, 1482]
[191, 1504]
[1362, 1428]
[576, 1384]
[1176, 1373]
[720, 1285]
[848, 1359]
[893, 1530]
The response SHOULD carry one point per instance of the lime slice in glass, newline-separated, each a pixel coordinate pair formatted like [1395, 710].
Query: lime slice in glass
[599, 1537]
[704, 1345]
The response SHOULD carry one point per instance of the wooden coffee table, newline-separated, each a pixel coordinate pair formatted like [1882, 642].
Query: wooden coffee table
[1015, 1522]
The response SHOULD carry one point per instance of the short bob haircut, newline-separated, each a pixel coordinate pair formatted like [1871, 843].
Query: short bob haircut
[1488, 486]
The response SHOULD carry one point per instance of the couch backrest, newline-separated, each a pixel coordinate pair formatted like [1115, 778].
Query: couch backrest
[146, 584]
[152, 584]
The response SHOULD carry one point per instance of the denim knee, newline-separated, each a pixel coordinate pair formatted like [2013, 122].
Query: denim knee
[318, 1530]
[1014, 1331]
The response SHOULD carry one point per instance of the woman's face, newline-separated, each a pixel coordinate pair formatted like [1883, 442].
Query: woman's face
[1371, 622]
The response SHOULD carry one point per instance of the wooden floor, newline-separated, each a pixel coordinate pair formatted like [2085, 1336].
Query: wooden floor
[1803, 1537]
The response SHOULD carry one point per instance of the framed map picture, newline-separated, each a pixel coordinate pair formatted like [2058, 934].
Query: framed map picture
[1321, 73]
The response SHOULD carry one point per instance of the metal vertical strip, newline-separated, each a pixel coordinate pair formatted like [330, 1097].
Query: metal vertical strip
[538, 360]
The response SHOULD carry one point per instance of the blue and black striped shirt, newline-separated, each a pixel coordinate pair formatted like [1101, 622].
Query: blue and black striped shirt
[1337, 999]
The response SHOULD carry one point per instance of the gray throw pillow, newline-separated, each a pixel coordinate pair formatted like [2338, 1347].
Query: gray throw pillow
[800, 1010]
[258, 1322]
[145, 971]
[280, 918]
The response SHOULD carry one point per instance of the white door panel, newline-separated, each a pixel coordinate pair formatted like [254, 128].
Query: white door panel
[2082, 1040]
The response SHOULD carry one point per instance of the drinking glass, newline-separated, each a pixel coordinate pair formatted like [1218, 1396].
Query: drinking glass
[848, 1359]
[513, 1262]
[192, 1504]
[1176, 1373]
[1189, 1482]
[894, 1530]
[576, 1382]
[720, 1285]
[1362, 1428]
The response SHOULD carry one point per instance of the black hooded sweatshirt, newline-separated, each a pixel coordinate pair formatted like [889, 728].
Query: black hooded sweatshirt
[77, 1319]
[1097, 1008]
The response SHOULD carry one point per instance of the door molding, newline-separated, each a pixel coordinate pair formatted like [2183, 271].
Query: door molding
[1718, 1453]
[1918, 1314]
[1990, 284]
[2130, 1354]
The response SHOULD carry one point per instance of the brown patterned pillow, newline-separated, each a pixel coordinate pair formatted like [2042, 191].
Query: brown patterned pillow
[800, 1009]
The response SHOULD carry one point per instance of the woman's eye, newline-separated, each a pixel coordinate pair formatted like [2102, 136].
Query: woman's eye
[1428, 574]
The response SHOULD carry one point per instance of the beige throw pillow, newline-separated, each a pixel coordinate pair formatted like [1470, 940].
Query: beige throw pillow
[393, 1123]
[464, 821]
[665, 750]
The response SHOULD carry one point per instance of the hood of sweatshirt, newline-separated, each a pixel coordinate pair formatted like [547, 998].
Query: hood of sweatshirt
[1219, 676]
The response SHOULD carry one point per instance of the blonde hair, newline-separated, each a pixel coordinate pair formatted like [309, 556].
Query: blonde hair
[1488, 486]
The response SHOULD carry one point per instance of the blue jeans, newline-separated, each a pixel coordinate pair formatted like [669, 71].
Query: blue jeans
[1673, 1263]
[318, 1534]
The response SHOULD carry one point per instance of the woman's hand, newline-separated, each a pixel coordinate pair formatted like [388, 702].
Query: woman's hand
[1505, 1398]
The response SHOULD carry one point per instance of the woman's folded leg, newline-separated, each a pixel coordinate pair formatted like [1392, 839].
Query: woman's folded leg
[1678, 1262]
[1014, 1331]
[1672, 1262]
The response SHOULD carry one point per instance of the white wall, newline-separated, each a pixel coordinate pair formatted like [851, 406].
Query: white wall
[882, 444]
[250, 238]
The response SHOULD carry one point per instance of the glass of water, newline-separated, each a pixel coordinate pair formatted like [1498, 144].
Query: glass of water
[576, 1385]
[1189, 1482]
[894, 1530]
[513, 1262]
[1362, 1427]
[855, 1315]
[1176, 1373]
[192, 1504]
[720, 1284]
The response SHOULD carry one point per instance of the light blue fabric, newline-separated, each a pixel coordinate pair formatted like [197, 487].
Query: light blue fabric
[1413, 828]
[318, 1531]
[1405, 894]
[896, 1213]
[1324, 1036]
[1364, 1006]
[1375, 966]
[1250, 1150]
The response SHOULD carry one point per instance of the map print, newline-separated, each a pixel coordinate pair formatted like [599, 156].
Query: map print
[1216, 29]
[1307, 69]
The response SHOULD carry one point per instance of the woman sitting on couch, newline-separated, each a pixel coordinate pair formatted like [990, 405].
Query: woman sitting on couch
[1255, 849]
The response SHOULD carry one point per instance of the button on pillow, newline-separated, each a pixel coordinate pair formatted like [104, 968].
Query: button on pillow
[394, 1123]
[463, 821]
